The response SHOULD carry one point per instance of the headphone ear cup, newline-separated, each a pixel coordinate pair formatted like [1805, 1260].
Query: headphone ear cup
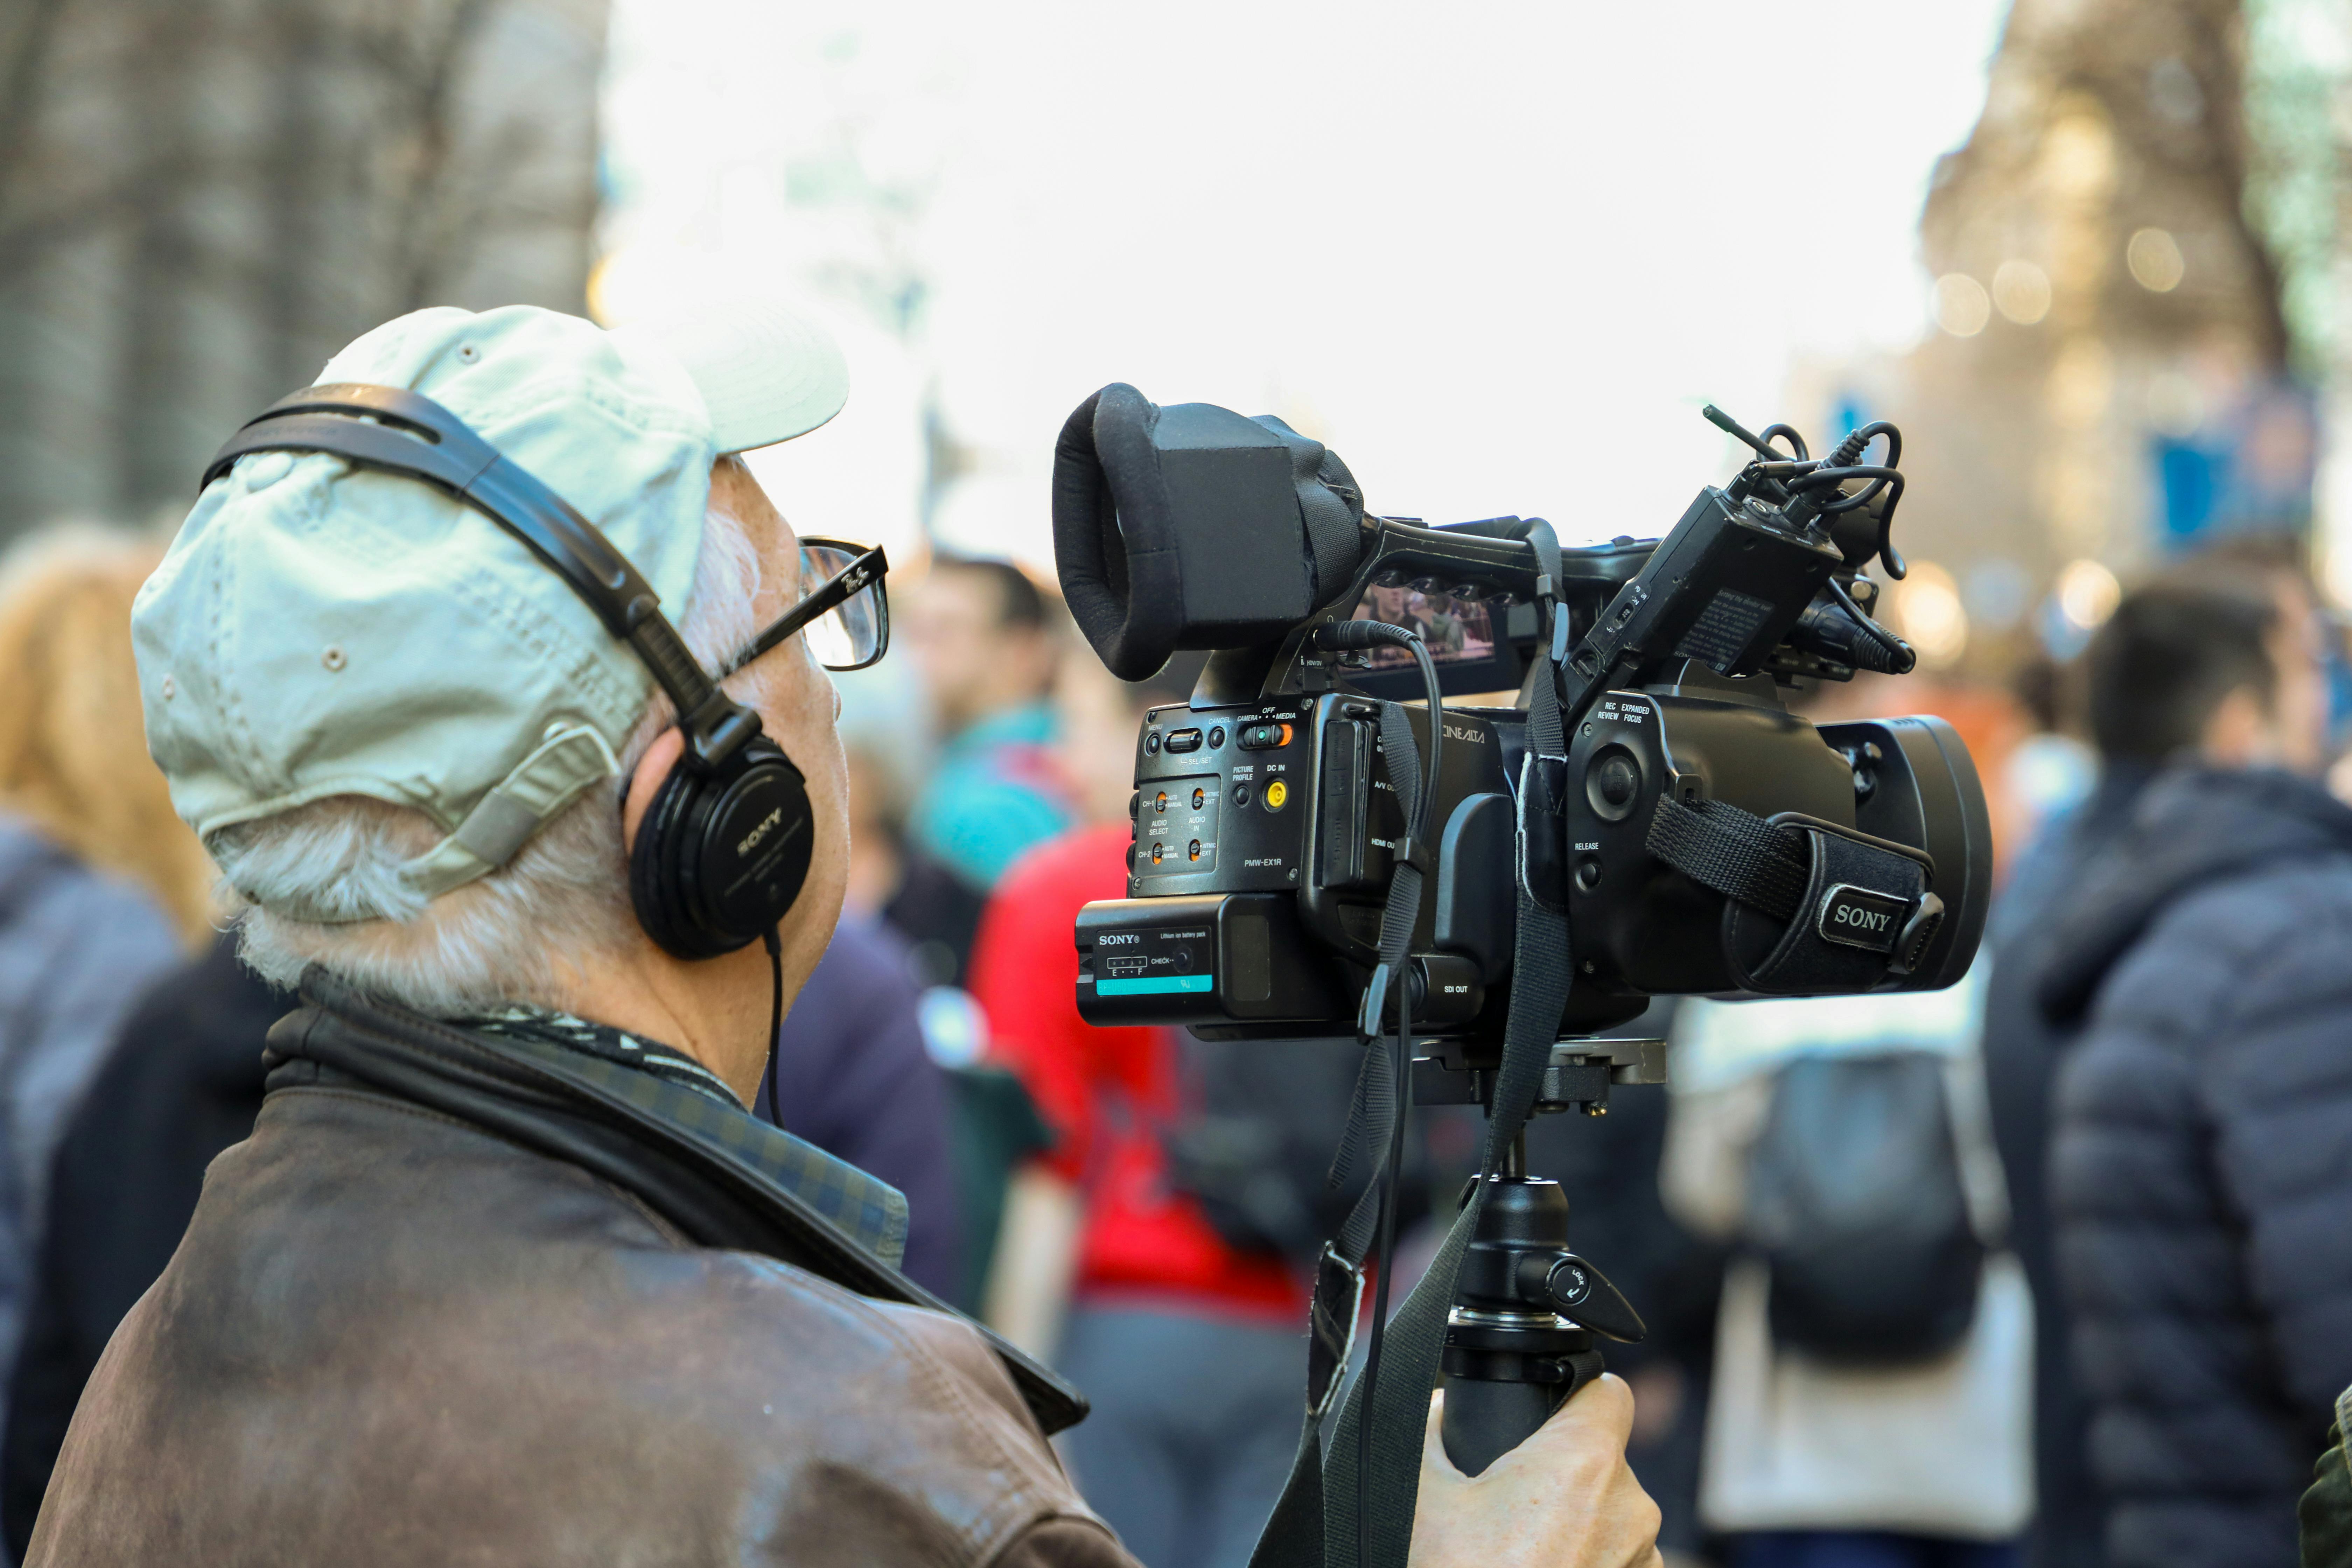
[719, 858]
[656, 890]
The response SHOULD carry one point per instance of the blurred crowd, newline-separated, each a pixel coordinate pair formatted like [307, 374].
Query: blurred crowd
[2053, 1268]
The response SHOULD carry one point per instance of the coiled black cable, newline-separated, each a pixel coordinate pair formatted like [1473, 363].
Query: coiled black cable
[1841, 465]
[1363, 636]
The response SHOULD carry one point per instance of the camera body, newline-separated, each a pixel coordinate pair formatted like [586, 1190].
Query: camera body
[1265, 834]
[1699, 837]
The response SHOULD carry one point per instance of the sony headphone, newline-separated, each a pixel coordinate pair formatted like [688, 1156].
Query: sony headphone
[725, 844]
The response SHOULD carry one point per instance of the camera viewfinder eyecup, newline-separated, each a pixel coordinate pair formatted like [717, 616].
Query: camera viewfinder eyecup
[1155, 510]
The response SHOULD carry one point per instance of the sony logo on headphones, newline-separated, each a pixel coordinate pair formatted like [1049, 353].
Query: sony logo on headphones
[767, 823]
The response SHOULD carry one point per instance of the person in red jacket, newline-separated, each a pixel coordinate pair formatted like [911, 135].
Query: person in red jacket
[1192, 1350]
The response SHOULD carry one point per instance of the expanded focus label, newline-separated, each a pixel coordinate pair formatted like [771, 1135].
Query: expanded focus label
[1856, 917]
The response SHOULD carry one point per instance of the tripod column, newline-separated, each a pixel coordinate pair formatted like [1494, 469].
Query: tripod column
[1510, 1360]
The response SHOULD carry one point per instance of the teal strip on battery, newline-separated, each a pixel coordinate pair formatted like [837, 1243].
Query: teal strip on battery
[1154, 985]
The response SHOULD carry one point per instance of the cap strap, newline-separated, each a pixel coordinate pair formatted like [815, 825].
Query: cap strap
[566, 763]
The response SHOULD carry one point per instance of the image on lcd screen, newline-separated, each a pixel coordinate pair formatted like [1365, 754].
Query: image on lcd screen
[1458, 631]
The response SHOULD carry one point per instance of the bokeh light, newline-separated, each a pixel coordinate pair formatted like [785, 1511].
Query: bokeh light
[2154, 257]
[2021, 290]
[1962, 308]
[2088, 593]
[1930, 615]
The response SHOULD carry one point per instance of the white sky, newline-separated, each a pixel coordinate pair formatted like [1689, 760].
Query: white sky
[1497, 256]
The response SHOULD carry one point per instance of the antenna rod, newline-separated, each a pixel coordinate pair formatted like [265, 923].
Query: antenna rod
[1726, 424]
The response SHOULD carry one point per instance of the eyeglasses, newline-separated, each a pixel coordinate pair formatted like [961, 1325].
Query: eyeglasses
[848, 616]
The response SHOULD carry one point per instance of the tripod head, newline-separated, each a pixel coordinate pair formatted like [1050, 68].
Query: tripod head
[1519, 1337]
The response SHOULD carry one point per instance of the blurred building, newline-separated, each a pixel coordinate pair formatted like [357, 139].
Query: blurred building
[201, 200]
[2138, 262]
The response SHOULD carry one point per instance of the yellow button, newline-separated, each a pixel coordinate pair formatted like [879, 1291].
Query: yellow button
[1275, 793]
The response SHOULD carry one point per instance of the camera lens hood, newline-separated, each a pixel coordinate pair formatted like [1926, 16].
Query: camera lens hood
[1194, 526]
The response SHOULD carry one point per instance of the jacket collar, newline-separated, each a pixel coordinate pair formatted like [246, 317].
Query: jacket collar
[697, 1162]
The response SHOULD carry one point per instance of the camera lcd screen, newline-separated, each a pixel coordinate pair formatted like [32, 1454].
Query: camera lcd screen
[1459, 632]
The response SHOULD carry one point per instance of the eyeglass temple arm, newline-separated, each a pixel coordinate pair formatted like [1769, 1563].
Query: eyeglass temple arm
[852, 579]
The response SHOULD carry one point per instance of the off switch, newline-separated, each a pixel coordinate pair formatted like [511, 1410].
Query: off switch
[1263, 737]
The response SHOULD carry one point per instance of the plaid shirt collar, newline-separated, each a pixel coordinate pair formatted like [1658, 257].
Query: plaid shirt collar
[682, 1091]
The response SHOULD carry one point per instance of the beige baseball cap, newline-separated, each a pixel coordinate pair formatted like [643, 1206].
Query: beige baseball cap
[317, 628]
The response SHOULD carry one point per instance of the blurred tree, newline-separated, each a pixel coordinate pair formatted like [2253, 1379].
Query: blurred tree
[2299, 180]
[202, 200]
[2127, 252]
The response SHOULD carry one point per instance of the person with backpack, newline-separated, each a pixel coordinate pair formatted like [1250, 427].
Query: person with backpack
[1871, 1393]
[1160, 1253]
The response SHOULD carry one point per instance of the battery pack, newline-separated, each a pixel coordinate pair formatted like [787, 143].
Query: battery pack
[1213, 959]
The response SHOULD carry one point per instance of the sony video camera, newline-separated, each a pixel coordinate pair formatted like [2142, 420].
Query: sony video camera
[1699, 836]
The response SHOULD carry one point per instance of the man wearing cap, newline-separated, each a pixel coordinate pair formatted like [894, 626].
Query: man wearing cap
[506, 1273]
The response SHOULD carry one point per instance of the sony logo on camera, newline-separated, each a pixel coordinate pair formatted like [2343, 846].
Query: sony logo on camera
[1856, 917]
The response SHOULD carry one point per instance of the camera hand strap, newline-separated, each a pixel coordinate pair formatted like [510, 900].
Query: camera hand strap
[1296, 1532]
[1315, 1522]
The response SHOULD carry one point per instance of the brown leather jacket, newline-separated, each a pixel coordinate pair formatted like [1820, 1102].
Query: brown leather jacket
[393, 1336]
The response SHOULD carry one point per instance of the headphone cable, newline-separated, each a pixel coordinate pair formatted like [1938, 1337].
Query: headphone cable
[774, 940]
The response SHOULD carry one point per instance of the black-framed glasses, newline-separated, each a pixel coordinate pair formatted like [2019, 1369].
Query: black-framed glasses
[847, 615]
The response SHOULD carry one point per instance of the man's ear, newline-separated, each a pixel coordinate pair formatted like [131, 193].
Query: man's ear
[2238, 735]
[646, 782]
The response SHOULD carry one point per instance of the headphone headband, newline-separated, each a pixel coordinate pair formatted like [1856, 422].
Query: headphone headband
[402, 432]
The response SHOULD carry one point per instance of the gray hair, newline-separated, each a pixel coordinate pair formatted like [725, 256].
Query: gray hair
[505, 937]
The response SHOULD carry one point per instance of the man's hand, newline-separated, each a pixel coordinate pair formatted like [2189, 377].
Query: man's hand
[1563, 1498]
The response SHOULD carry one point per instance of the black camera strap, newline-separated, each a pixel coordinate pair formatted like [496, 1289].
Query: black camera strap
[1735, 852]
[1296, 1532]
[1315, 1520]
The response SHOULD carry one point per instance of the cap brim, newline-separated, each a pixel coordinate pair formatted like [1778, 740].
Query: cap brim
[767, 372]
